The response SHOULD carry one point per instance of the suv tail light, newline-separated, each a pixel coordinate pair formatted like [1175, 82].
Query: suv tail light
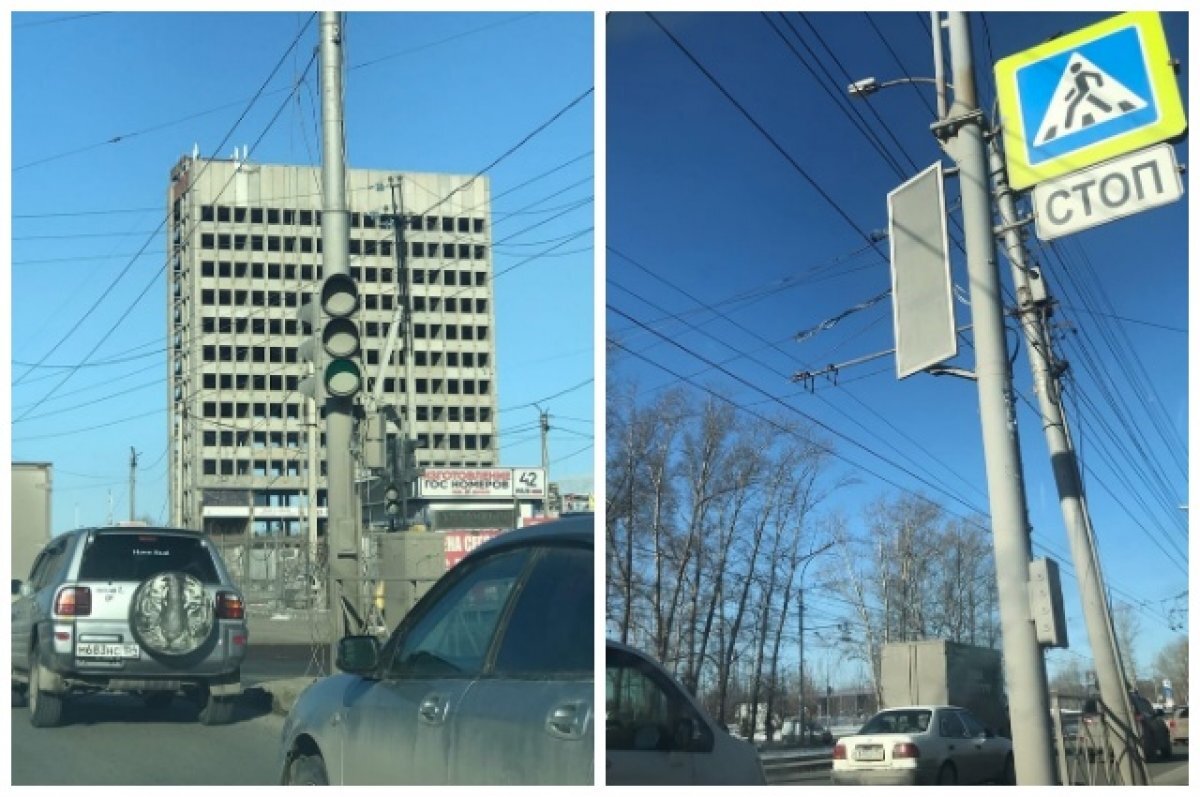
[229, 606]
[839, 752]
[73, 602]
[905, 750]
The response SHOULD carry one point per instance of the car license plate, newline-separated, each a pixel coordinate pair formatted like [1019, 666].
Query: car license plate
[868, 753]
[97, 650]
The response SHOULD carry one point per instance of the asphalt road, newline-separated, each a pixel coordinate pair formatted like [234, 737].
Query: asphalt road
[1162, 773]
[115, 740]
[266, 662]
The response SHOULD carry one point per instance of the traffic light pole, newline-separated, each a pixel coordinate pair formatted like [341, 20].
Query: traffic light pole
[1096, 614]
[961, 133]
[342, 534]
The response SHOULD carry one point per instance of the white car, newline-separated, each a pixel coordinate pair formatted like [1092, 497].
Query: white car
[657, 735]
[920, 745]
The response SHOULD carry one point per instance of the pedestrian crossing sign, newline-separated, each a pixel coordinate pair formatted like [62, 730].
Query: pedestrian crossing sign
[1086, 97]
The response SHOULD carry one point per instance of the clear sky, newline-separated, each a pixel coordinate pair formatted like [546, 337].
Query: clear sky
[103, 105]
[702, 201]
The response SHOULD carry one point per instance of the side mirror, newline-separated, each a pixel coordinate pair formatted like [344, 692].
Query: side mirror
[16, 587]
[358, 655]
[988, 733]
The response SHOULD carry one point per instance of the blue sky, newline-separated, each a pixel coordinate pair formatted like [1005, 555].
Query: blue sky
[94, 138]
[702, 199]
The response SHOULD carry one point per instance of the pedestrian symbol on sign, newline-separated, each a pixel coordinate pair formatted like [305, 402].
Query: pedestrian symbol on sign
[1085, 96]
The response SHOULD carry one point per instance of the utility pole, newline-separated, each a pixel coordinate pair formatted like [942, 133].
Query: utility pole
[803, 722]
[342, 534]
[132, 481]
[1033, 305]
[403, 327]
[544, 424]
[312, 472]
[961, 135]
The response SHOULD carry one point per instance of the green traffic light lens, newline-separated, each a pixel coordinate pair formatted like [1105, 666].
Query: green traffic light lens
[342, 378]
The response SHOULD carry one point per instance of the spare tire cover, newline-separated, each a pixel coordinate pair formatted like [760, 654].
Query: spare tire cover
[171, 614]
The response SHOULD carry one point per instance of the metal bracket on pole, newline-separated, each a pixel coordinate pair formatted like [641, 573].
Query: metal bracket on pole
[946, 128]
[1001, 229]
[949, 370]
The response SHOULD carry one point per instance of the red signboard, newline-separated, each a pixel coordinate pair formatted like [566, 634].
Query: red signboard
[459, 543]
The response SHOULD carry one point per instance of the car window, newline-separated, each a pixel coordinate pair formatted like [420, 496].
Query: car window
[645, 712]
[47, 566]
[909, 721]
[453, 635]
[950, 726]
[137, 557]
[550, 629]
[974, 726]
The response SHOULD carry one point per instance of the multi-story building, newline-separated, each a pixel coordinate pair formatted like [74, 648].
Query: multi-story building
[244, 249]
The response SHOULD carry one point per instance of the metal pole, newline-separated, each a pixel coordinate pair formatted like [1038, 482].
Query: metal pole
[939, 66]
[313, 474]
[803, 724]
[1024, 666]
[1066, 472]
[341, 532]
[132, 481]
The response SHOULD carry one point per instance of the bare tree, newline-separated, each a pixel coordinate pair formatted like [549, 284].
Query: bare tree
[1172, 663]
[1127, 626]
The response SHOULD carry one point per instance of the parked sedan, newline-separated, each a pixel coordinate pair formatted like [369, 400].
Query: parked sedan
[488, 680]
[920, 745]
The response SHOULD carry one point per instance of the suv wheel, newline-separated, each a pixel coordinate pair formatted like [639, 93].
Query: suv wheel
[45, 709]
[20, 697]
[307, 770]
[216, 710]
[171, 614]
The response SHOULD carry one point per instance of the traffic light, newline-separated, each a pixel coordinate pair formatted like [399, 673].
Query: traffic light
[332, 323]
[339, 336]
[391, 500]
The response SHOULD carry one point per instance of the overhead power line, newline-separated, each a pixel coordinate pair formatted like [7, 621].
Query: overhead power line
[161, 224]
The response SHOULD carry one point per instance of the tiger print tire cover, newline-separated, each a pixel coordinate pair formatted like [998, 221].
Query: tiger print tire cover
[171, 614]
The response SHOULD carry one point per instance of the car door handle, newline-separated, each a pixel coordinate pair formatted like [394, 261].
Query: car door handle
[433, 709]
[568, 720]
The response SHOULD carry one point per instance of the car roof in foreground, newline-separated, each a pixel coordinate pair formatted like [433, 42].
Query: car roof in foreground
[579, 528]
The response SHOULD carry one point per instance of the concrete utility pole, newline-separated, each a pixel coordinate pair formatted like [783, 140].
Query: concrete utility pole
[342, 534]
[403, 326]
[1032, 308]
[132, 481]
[961, 134]
[544, 424]
[312, 471]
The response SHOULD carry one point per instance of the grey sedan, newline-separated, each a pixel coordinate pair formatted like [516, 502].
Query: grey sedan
[488, 680]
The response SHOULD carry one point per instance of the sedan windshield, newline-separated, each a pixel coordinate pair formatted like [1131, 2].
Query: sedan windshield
[905, 721]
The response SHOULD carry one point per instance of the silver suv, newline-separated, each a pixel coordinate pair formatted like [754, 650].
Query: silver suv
[151, 611]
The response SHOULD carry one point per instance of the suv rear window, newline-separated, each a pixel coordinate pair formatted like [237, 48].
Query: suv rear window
[136, 557]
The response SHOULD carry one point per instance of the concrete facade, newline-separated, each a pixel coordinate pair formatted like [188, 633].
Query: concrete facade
[244, 245]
